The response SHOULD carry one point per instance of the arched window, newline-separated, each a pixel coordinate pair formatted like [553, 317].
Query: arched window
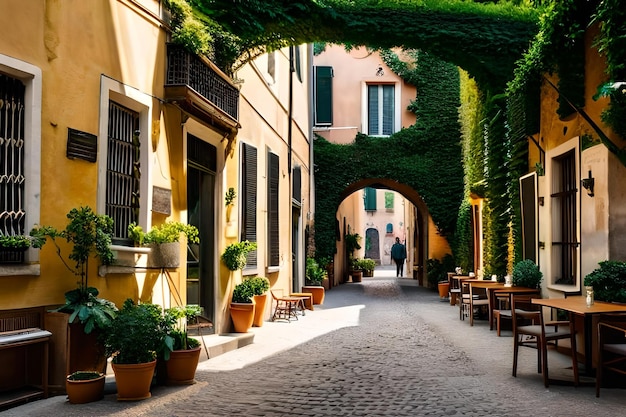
[389, 228]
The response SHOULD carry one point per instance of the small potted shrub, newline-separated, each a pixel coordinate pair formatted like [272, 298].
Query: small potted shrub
[164, 241]
[367, 266]
[526, 274]
[181, 362]
[314, 276]
[12, 248]
[260, 286]
[236, 254]
[242, 306]
[357, 270]
[135, 336]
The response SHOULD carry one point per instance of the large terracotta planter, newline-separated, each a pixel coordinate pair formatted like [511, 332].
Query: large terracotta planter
[181, 367]
[85, 390]
[259, 309]
[317, 291]
[133, 380]
[242, 315]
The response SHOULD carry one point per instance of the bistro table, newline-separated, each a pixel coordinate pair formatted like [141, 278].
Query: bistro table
[577, 306]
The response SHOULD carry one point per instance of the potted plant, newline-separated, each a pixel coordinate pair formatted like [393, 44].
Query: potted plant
[314, 275]
[90, 235]
[181, 362]
[436, 271]
[135, 336]
[260, 285]
[12, 248]
[164, 241]
[242, 306]
[229, 200]
[236, 254]
[84, 386]
[357, 270]
[367, 266]
[526, 274]
[608, 281]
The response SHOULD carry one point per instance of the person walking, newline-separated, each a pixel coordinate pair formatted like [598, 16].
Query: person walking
[398, 255]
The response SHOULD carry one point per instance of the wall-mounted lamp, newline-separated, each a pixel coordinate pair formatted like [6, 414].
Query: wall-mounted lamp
[588, 184]
[380, 72]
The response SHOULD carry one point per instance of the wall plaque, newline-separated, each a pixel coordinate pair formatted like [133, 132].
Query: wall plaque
[161, 200]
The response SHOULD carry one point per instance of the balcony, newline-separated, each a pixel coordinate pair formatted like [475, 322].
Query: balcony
[199, 88]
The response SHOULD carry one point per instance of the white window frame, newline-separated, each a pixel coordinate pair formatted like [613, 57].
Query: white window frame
[397, 119]
[31, 76]
[140, 102]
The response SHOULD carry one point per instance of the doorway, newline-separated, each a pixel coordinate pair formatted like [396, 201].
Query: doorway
[201, 280]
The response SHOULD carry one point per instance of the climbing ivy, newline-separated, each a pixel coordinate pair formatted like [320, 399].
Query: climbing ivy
[425, 156]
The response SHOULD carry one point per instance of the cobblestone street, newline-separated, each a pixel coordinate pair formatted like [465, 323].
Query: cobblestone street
[383, 347]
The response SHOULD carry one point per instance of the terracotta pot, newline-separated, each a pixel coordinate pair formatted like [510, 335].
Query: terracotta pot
[317, 291]
[85, 391]
[133, 380]
[242, 315]
[444, 289]
[259, 309]
[357, 276]
[181, 367]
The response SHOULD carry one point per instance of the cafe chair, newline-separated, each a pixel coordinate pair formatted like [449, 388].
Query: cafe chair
[503, 312]
[611, 347]
[286, 307]
[455, 288]
[530, 330]
[471, 298]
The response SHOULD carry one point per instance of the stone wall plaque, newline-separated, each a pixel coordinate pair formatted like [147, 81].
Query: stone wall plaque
[162, 200]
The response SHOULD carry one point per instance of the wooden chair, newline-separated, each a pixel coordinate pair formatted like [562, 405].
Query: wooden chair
[503, 312]
[286, 307]
[530, 330]
[478, 299]
[611, 347]
[455, 288]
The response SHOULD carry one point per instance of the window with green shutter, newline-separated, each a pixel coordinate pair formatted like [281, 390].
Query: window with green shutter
[323, 96]
[389, 197]
[248, 198]
[380, 109]
[273, 235]
[369, 198]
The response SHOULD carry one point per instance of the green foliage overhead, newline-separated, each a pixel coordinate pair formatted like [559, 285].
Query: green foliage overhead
[485, 38]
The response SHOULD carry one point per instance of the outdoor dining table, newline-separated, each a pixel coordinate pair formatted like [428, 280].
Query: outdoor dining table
[577, 306]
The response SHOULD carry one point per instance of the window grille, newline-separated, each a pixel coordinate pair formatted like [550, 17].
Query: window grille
[123, 169]
[12, 180]
[248, 199]
[564, 214]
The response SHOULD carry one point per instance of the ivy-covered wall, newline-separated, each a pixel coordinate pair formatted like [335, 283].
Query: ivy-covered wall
[425, 156]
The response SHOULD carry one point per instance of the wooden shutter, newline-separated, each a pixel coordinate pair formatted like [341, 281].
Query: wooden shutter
[296, 179]
[272, 209]
[370, 199]
[248, 199]
[323, 96]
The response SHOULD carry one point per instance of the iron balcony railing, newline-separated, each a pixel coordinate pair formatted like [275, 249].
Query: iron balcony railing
[186, 69]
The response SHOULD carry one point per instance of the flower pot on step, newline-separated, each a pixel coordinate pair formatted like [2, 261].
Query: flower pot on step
[181, 367]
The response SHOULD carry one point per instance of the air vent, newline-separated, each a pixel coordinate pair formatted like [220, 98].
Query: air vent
[82, 145]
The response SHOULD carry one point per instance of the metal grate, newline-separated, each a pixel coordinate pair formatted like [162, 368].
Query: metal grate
[184, 68]
[81, 145]
[12, 180]
[123, 170]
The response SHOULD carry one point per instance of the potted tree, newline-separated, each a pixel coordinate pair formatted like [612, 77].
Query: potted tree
[314, 275]
[242, 306]
[89, 316]
[260, 285]
[181, 362]
[133, 340]
[608, 281]
[164, 241]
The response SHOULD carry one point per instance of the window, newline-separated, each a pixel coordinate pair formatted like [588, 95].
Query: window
[323, 96]
[564, 217]
[273, 241]
[389, 228]
[380, 109]
[123, 169]
[12, 162]
[389, 197]
[248, 199]
[297, 57]
[369, 198]
[296, 180]
[271, 66]
[20, 161]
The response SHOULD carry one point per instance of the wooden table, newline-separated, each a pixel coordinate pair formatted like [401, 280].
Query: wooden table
[577, 305]
[494, 291]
